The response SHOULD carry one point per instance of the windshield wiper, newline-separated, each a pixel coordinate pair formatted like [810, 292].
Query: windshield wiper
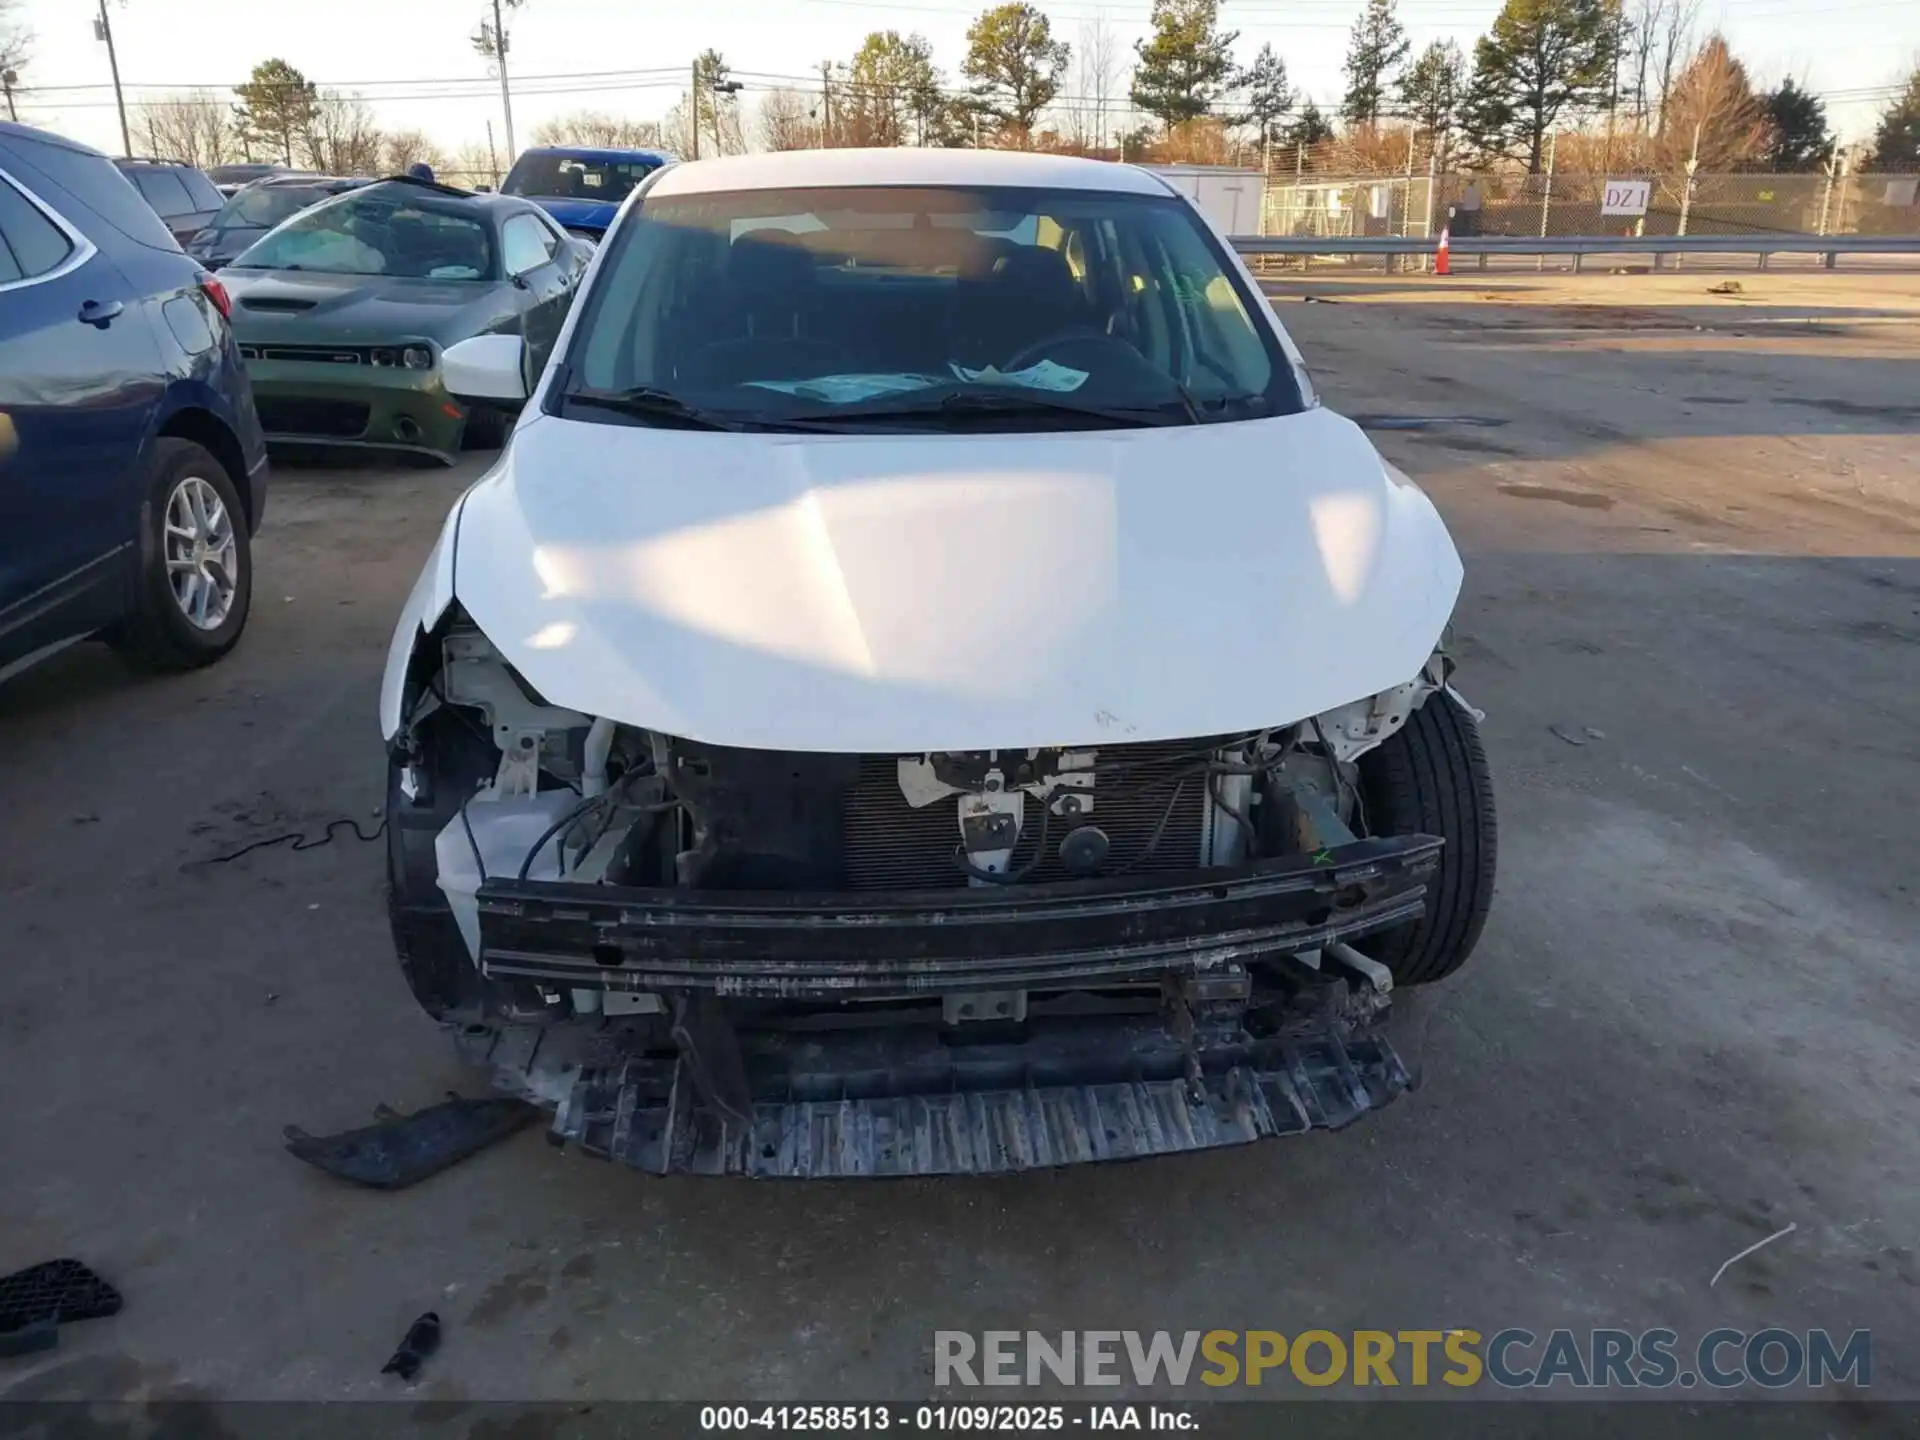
[646, 403]
[992, 403]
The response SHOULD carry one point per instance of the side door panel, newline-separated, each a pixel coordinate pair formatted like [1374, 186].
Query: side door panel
[76, 398]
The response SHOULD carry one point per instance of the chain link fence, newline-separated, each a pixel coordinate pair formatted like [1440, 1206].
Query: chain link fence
[1301, 198]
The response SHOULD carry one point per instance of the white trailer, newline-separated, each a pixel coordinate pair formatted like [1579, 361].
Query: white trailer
[1228, 196]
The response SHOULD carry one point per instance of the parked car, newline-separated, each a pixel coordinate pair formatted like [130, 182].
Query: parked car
[180, 194]
[229, 178]
[344, 311]
[132, 470]
[581, 186]
[256, 208]
[927, 688]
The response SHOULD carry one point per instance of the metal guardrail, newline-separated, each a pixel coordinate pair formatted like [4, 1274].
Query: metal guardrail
[1580, 246]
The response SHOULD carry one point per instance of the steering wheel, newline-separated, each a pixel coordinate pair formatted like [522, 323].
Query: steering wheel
[1029, 354]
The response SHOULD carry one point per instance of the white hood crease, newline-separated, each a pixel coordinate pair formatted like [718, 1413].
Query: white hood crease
[908, 593]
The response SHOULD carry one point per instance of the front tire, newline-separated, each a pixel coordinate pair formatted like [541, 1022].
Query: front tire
[1432, 778]
[193, 575]
[433, 954]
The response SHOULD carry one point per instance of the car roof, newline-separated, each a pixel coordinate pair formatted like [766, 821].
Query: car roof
[268, 182]
[9, 128]
[799, 169]
[602, 152]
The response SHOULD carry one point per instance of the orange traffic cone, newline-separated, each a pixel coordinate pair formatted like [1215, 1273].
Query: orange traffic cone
[1440, 256]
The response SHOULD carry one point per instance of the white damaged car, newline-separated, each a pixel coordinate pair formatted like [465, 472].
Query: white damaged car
[928, 689]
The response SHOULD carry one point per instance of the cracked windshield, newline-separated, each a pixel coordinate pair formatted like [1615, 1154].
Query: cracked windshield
[1074, 306]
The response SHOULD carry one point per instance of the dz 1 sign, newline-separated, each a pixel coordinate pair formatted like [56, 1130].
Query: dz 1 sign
[1625, 197]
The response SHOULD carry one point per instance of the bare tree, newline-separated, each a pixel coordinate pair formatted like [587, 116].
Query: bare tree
[15, 39]
[473, 164]
[411, 147]
[720, 129]
[1097, 77]
[342, 138]
[1673, 43]
[787, 120]
[190, 126]
[595, 127]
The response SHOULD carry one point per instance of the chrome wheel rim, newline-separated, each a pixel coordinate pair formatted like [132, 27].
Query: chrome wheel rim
[202, 555]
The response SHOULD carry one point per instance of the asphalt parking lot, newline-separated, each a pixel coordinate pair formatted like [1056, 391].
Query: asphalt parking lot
[1692, 613]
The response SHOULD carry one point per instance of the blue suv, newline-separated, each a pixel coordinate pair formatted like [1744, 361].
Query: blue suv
[132, 470]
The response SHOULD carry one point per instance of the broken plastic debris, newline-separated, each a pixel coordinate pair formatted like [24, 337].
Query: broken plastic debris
[1565, 735]
[423, 1338]
[36, 1300]
[401, 1150]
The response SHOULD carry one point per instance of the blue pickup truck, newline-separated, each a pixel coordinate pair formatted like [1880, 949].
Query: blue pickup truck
[581, 186]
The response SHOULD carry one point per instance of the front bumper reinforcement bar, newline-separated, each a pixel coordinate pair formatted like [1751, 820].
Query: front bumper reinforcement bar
[837, 947]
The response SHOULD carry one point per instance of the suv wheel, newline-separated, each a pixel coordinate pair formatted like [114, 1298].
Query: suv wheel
[194, 578]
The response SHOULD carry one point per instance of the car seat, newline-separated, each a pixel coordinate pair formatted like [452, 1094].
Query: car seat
[1029, 295]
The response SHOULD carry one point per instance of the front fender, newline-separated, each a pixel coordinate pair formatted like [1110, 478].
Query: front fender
[432, 594]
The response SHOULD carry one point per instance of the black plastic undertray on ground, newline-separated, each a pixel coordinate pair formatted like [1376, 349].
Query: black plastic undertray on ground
[57, 1292]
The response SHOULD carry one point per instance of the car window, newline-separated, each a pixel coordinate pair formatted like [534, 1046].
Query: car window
[30, 243]
[265, 206]
[573, 177]
[91, 180]
[164, 192]
[525, 244]
[770, 304]
[200, 190]
[382, 230]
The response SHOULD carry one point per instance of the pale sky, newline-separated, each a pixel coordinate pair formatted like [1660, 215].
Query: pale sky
[411, 58]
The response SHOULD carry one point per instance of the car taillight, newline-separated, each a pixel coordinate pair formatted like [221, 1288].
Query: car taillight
[217, 293]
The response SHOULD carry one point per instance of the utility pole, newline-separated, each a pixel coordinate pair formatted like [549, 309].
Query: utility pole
[8, 79]
[500, 59]
[493, 160]
[693, 99]
[826, 102]
[103, 30]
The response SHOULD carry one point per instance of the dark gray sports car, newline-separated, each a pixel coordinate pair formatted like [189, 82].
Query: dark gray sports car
[343, 312]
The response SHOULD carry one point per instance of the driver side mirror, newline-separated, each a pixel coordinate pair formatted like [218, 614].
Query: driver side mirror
[487, 370]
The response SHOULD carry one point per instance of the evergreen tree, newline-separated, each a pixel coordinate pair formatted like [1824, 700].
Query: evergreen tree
[1431, 88]
[1269, 95]
[1799, 139]
[1896, 142]
[1377, 48]
[1186, 64]
[277, 108]
[1541, 59]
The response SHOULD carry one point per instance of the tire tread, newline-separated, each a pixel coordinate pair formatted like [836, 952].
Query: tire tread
[1432, 778]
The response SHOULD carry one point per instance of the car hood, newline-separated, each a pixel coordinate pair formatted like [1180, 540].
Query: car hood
[587, 214]
[930, 592]
[301, 307]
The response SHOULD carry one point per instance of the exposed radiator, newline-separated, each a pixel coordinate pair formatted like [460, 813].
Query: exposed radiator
[892, 846]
